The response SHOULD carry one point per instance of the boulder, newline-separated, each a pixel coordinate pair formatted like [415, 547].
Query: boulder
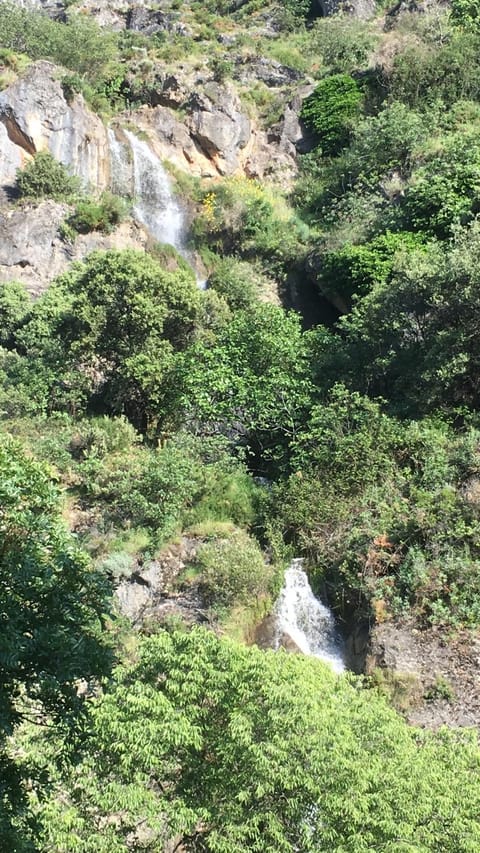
[53, 8]
[148, 21]
[30, 248]
[171, 91]
[116, 13]
[361, 9]
[37, 117]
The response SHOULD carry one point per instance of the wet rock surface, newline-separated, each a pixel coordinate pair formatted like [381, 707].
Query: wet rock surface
[266, 636]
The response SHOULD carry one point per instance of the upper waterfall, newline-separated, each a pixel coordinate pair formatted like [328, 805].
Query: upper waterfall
[155, 206]
[135, 170]
[306, 620]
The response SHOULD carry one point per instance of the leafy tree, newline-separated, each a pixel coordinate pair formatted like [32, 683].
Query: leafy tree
[120, 317]
[80, 45]
[52, 608]
[445, 191]
[466, 14]
[252, 385]
[233, 280]
[14, 306]
[353, 270]
[412, 340]
[227, 748]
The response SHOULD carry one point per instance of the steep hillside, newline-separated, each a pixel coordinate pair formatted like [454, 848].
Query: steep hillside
[239, 368]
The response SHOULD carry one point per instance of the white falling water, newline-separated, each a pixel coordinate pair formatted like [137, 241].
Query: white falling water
[136, 171]
[155, 205]
[306, 620]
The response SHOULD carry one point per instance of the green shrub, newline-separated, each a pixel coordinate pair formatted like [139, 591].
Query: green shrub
[233, 570]
[14, 307]
[16, 61]
[331, 110]
[342, 43]
[445, 190]
[117, 565]
[440, 689]
[102, 215]
[45, 177]
[221, 68]
[466, 14]
[232, 280]
[80, 45]
[354, 270]
[425, 74]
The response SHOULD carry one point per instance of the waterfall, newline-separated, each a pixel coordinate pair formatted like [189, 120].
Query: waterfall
[303, 618]
[155, 205]
[136, 171]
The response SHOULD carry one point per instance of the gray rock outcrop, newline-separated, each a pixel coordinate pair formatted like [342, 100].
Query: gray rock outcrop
[218, 126]
[269, 71]
[30, 248]
[53, 8]
[361, 9]
[152, 591]
[32, 251]
[37, 117]
[118, 14]
[447, 673]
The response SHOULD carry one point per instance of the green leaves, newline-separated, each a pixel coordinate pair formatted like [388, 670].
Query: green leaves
[331, 109]
[252, 385]
[45, 177]
[52, 612]
[233, 749]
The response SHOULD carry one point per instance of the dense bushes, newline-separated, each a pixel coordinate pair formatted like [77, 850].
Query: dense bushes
[45, 177]
[233, 570]
[103, 214]
[301, 742]
[331, 110]
[80, 45]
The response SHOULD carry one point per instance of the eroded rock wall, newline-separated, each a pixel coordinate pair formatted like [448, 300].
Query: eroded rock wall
[37, 117]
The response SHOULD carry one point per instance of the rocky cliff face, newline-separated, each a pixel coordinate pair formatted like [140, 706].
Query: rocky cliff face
[440, 679]
[212, 136]
[36, 117]
[33, 252]
[148, 17]
[200, 125]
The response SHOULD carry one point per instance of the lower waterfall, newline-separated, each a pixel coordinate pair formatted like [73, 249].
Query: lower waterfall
[305, 620]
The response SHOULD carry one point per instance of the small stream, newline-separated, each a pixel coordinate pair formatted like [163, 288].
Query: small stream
[306, 621]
